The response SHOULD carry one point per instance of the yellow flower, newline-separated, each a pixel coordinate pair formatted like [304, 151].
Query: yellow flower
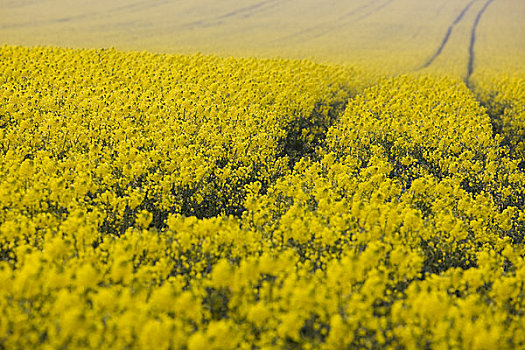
[198, 341]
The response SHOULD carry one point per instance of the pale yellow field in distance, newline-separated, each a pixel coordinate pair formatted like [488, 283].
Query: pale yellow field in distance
[395, 35]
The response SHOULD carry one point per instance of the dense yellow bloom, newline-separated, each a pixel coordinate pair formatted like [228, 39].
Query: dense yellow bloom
[202, 202]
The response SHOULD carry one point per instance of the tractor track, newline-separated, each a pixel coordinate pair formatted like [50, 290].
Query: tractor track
[243, 12]
[363, 16]
[447, 34]
[357, 10]
[368, 14]
[326, 27]
[472, 43]
[130, 8]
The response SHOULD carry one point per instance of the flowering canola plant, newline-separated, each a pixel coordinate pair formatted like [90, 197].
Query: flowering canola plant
[198, 202]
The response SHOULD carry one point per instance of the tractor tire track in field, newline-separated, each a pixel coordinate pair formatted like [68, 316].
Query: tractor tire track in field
[447, 35]
[472, 43]
[249, 11]
[319, 27]
[357, 10]
[368, 14]
[119, 10]
[326, 27]
[243, 12]
[374, 11]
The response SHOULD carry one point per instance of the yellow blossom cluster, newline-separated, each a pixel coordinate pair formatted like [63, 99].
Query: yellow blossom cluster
[503, 94]
[199, 202]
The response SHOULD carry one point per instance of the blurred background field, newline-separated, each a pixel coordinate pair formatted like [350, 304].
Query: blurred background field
[393, 35]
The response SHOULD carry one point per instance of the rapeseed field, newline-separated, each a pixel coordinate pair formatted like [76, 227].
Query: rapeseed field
[201, 202]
